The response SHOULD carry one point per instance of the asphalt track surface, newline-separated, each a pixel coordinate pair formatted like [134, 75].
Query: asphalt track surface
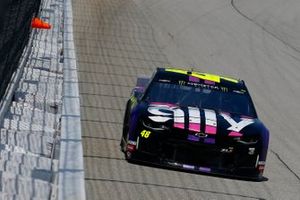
[257, 40]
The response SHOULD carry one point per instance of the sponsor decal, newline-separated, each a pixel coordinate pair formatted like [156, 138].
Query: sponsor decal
[209, 82]
[261, 162]
[227, 150]
[239, 91]
[201, 135]
[194, 119]
[224, 89]
[205, 140]
[235, 134]
[210, 122]
[188, 166]
[166, 112]
[194, 79]
[193, 138]
[174, 164]
[163, 112]
[180, 82]
[204, 86]
[178, 118]
[204, 169]
[209, 141]
[261, 166]
[236, 127]
[251, 151]
[164, 80]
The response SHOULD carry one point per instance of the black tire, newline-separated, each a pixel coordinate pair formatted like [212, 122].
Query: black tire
[124, 140]
[125, 136]
[260, 178]
[129, 156]
[125, 129]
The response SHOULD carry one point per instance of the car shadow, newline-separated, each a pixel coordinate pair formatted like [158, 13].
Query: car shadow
[228, 176]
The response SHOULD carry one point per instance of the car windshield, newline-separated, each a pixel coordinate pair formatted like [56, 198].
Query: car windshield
[232, 102]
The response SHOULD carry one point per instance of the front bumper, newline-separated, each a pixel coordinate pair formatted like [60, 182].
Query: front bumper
[224, 158]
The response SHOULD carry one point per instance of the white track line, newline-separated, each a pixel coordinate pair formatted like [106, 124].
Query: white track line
[71, 168]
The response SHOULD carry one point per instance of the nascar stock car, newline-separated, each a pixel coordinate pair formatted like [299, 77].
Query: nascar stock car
[195, 121]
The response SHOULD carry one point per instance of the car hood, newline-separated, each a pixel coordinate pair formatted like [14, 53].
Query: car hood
[193, 120]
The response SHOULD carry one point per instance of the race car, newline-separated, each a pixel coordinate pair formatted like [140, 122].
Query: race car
[195, 121]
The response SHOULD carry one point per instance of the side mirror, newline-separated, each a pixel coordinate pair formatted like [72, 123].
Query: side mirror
[137, 92]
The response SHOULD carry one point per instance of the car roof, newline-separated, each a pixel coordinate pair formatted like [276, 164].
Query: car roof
[182, 74]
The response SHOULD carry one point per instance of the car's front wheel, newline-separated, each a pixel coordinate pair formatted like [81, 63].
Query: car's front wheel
[125, 130]
[129, 152]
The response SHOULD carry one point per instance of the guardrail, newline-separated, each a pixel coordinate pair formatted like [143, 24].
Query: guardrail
[13, 40]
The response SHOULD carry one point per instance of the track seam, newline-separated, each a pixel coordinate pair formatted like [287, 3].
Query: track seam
[288, 45]
[285, 164]
[172, 187]
[263, 28]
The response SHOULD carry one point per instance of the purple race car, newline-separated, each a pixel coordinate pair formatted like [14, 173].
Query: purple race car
[195, 121]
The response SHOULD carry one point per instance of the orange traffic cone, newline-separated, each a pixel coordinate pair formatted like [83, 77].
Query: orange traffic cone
[38, 23]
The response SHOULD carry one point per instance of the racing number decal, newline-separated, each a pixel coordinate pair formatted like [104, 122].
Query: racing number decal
[145, 134]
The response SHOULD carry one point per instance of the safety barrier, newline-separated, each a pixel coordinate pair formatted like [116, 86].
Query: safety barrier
[71, 168]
